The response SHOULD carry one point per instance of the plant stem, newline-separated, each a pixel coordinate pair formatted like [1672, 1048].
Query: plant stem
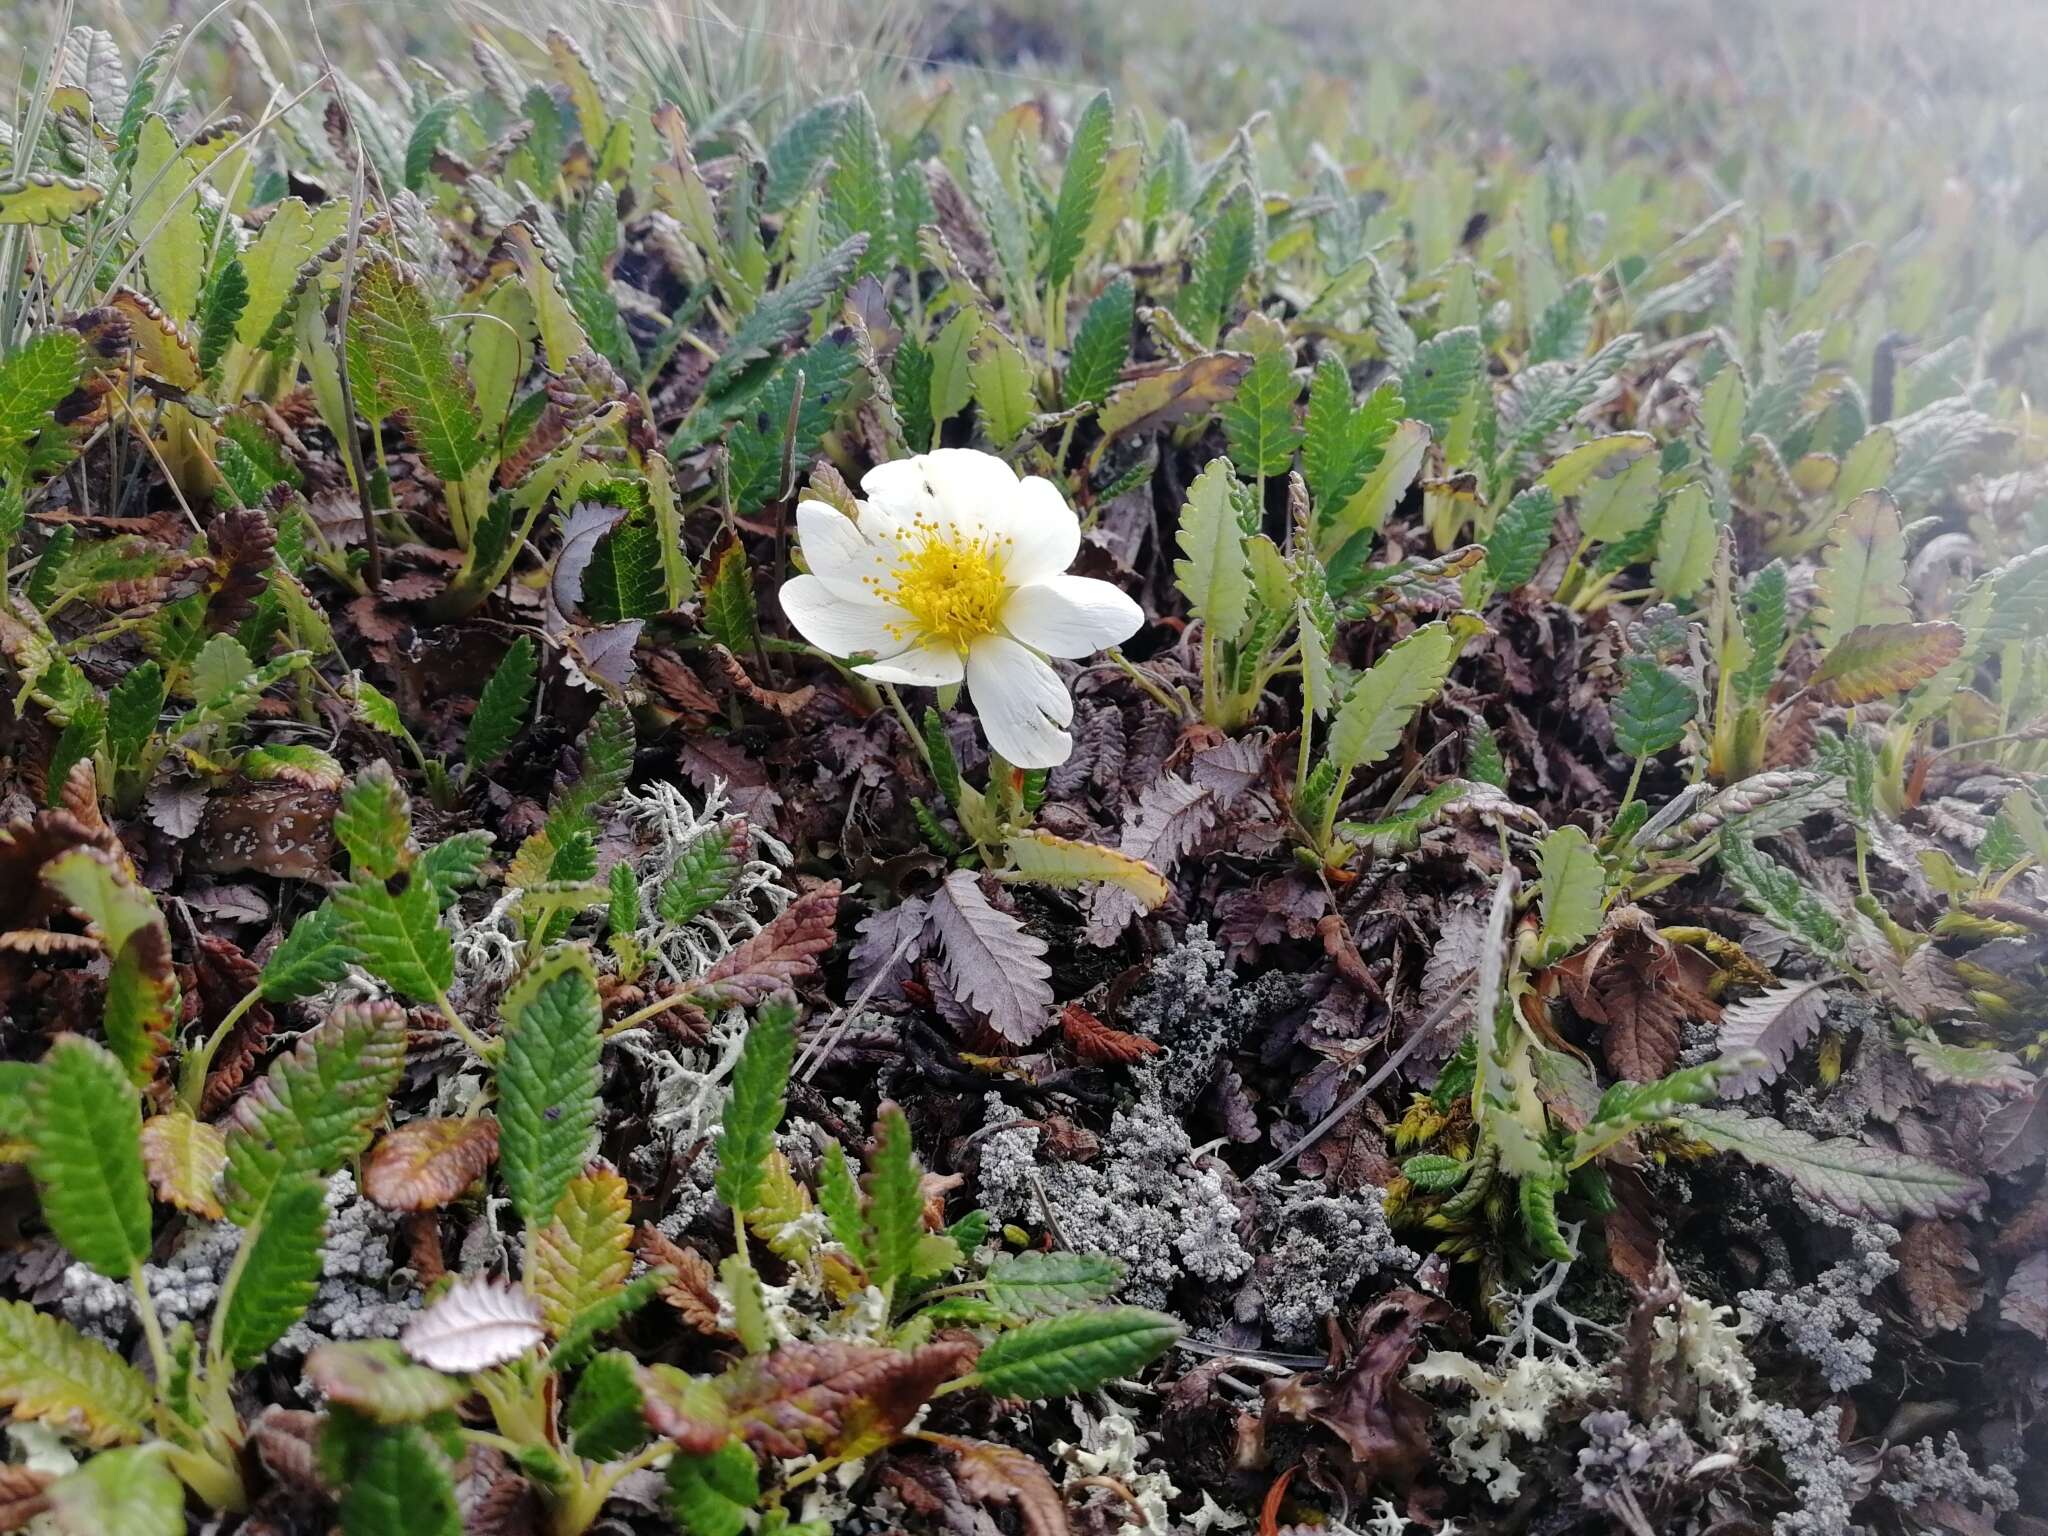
[888, 691]
[192, 1073]
[469, 1036]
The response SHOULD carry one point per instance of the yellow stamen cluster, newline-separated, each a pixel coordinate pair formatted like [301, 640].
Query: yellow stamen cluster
[953, 588]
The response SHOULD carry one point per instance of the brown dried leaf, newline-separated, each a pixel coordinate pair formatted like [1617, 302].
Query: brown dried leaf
[735, 675]
[2025, 1303]
[1640, 987]
[1939, 1274]
[990, 961]
[286, 1441]
[689, 1287]
[21, 1495]
[241, 544]
[1001, 1474]
[427, 1163]
[778, 957]
[835, 1396]
[1093, 1040]
[1172, 394]
[1363, 1402]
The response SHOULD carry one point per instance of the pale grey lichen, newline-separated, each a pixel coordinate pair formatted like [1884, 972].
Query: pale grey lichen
[1825, 1320]
[1825, 1481]
[1194, 1006]
[1625, 1465]
[353, 1301]
[1145, 1201]
[1321, 1247]
[357, 1271]
[1922, 1474]
[490, 949]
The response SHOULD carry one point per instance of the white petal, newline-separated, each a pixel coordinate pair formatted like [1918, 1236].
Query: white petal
[955, 491]
[1043, 531]
[841, 626]
[924, 666]
[839, 555]
[1071, 615]
[1022, 704]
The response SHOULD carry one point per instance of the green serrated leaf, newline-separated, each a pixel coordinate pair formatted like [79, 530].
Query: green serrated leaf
[606, 1415]
[1686, 541]
[400, 1485]
[220, 312]
[1780, 895]
[397, 935]
[1037, 1284]
[1002, 378]
[1102, 345]
[374, 823]
[278, 1272]
[315, 1107]
[714, 1495]
[1080, 187]
[1440, 379]
[1214, 573]
[548, 1081]
[1652, 709]
[858, 191]
[84, 1134]
[1574, 891]
[895, 1201]
[1258, 420]
[1520, 538]
[1385, 697]
[754, 1108]
[1435, 1172]
[315, 954]
[130, 1491]
[704, 874]
[413, 368]
[730, 616]
[501, 706]
[839, 1198]
[1073, 1352]
[51, 1372]
[1862, 1180]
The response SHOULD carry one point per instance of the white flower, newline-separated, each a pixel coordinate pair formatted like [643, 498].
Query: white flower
[956, 568]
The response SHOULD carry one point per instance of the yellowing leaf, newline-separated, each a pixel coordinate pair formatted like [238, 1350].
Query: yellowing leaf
[165, 219]
[40, 198]
[1059, 861]
[185, 1158]
[1568, 476]
[1874, 661]
[1862, 577]
[142, 989]
[51, 1372]
[583, 1255]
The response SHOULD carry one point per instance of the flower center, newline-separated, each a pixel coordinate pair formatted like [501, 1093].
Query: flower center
[955, 591]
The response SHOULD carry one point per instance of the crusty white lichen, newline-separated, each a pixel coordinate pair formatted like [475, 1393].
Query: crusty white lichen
[1826, 1320]
[1321, 1247]
[490, 948]
[1110, 1446]
[1146, 1200]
